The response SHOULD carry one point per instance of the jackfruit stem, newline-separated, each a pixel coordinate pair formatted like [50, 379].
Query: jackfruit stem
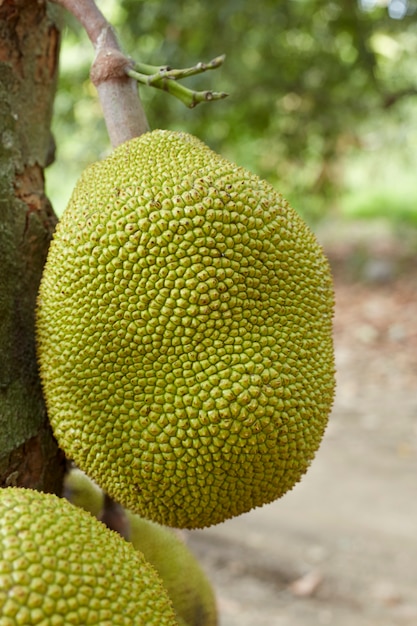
[117, 92]
[164, 78]
[114, 517]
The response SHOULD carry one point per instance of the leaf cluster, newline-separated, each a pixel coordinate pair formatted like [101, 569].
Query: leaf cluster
[302, 77]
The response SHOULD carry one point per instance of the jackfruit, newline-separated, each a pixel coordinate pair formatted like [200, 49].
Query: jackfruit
[185, 333]
[60, 566]
[190, 591]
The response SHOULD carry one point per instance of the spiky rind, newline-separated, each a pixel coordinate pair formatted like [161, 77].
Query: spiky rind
[185, 333]
[60, 566]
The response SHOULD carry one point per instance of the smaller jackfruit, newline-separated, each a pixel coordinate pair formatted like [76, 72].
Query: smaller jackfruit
[188, 587]
[60, 566]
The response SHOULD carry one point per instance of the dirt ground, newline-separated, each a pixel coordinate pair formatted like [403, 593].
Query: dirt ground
[341, 548]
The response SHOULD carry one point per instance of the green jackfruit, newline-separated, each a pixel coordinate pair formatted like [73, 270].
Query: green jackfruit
[185, 333]
[188, 587]
[191, 593]
[60, 566]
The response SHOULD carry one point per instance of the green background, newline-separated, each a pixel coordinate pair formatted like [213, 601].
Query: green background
[322, 96]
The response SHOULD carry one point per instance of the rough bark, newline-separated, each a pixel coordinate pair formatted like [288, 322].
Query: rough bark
[29, 47]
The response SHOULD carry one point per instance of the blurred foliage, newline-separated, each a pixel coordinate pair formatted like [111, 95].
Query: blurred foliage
[379, 176]
[303, 76]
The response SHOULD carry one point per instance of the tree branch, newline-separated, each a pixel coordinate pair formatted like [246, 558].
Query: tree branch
[390, 99]
[165, 78]
[118, 94]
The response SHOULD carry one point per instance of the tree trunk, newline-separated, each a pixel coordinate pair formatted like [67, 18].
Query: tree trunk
[29, 48]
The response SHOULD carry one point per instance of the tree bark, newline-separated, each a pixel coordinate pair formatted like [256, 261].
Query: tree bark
[29, 48]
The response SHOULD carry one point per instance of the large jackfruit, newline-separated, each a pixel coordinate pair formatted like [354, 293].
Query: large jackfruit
[185, 333]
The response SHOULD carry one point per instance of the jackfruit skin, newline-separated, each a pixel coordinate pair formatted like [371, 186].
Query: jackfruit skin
[190, 591]
[185, 333]
[60, 566]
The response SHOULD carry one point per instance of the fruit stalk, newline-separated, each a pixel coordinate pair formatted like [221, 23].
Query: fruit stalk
[122, 109]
